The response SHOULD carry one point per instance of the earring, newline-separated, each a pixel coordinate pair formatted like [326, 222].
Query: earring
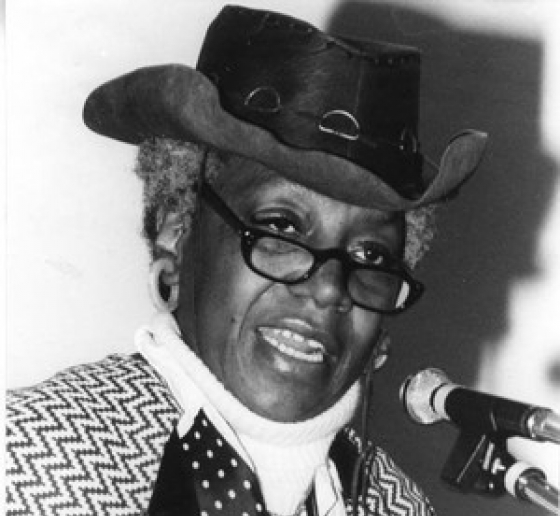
[155, 282]
[381, 351]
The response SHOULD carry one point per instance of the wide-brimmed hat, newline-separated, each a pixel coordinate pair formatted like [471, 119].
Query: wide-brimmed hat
[335, 114]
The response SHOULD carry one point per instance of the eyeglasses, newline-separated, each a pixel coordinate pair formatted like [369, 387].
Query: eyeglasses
[386, 287]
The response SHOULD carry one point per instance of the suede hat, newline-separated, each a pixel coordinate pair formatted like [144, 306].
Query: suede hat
[337, 115]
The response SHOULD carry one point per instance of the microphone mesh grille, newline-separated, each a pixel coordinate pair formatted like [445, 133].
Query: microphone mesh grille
[416, 393]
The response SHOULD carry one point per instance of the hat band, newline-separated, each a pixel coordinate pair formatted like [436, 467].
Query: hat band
[337, 131]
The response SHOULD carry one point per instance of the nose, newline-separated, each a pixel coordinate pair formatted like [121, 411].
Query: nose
[327, 287]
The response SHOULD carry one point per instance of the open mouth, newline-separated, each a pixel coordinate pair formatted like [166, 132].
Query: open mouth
[294, 345]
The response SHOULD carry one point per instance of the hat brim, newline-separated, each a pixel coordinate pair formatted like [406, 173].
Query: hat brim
[178, 102]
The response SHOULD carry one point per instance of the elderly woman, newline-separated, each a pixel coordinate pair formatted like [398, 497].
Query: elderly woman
[286, 201]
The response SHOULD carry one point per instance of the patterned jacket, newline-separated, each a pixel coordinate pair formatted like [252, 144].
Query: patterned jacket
[90, 440]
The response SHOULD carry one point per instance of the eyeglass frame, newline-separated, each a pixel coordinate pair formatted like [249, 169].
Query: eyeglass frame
[250, 235]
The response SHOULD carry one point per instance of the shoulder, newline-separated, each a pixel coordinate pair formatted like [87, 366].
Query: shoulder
[388, 490]
[88, 436]
[116, 389]
[129, 372]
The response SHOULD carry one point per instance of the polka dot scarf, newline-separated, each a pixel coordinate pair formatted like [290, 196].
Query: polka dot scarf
[201, 473]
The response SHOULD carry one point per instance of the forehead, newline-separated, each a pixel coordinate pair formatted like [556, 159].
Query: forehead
[247, 179]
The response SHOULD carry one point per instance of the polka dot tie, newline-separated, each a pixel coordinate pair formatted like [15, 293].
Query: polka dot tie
[224, 483]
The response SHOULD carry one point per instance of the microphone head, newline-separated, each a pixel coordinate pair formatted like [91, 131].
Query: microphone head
[416, 394]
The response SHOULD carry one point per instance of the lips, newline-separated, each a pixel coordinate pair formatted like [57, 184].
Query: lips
[294, 344]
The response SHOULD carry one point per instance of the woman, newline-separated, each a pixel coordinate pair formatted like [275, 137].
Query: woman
[286, 200]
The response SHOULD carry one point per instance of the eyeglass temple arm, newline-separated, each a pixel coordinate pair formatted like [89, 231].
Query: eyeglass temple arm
[212, 198]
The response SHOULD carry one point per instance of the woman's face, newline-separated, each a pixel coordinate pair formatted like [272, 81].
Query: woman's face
[287, 352]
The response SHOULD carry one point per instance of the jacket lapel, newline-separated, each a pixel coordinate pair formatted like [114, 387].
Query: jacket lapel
[174, 493]
[345, 455]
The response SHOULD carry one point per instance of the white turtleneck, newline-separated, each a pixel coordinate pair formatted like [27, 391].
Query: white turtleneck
[286, 457]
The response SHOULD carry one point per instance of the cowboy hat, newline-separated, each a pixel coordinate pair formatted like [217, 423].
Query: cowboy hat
[335, 114]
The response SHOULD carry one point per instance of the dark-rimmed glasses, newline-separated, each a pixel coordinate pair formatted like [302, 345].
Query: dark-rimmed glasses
[387, 288]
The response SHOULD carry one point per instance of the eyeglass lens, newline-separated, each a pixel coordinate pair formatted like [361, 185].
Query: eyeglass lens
[286, 261]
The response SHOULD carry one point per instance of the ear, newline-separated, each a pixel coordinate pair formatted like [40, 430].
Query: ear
[169, 244]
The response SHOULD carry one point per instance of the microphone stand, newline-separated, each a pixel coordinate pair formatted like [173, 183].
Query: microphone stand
[529, 483]
[480, 463]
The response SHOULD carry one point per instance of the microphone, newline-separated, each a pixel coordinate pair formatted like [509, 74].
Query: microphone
[429, 396]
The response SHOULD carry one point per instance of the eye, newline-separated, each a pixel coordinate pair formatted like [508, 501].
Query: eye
[369, 253]
[282, 224]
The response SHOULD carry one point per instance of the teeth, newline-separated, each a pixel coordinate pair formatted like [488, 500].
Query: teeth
[315, 344]
[308, 357]
[274, 337]
[291, 335]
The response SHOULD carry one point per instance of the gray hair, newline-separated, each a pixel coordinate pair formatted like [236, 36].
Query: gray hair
[169, 170]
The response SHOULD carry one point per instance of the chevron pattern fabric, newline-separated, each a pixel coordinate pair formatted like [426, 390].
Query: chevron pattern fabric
[389, 491]
[393, 493]
[90, 440]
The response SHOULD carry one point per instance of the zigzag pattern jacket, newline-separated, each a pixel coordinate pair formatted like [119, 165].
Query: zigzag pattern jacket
[89, 442]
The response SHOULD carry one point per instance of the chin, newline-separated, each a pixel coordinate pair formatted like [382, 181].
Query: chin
[277, 386]
[284, 402]
[283, 413]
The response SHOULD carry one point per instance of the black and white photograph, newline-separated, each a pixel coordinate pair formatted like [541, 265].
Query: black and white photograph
[281, 258]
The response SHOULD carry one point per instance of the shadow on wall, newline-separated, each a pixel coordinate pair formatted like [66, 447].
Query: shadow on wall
[487, 237]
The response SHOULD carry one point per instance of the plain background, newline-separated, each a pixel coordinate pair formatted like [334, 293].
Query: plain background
[76, 263]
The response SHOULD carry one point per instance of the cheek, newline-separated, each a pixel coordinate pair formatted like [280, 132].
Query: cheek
[365, 329]
[225, 292]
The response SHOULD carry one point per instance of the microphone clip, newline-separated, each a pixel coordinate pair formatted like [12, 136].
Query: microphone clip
[477, 463]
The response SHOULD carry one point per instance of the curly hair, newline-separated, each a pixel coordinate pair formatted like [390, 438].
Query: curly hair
[169, 170]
